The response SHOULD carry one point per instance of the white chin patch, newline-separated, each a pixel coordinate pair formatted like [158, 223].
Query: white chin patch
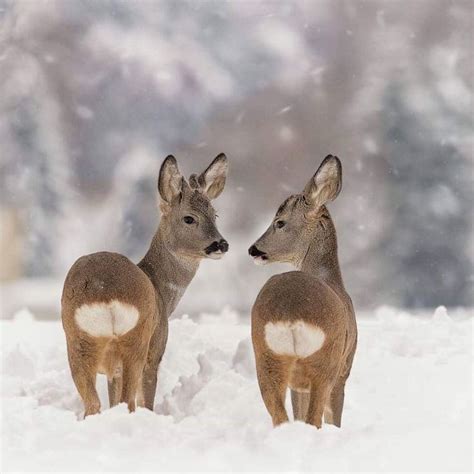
[260, 261]
[215, 255]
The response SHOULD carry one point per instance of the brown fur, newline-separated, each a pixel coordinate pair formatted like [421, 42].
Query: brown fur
[154, 287]
[103, 277]
[316, 295]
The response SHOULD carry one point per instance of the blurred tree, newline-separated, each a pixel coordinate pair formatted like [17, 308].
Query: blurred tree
[431, 196]
[95, 94]
[34, 166]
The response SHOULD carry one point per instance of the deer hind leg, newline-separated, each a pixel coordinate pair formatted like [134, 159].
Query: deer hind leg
[132, 372]
[300, 403]
[336, 401]
[114, 370]
[335, 404]
[327, 393]
[133, 362]
[115, 390]
[140, 393]
[318, 400]
[333, 411]
[322, 375]
[83, 364]
[272, 374]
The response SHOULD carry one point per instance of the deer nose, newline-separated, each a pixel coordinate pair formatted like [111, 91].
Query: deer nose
[217, 246]
[254, 252]
[223, 245]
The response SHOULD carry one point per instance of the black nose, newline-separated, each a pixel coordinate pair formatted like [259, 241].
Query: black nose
[223, 245]
[214, 247]
[254, 252]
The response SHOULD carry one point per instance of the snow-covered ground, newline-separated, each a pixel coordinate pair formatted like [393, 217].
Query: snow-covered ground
[408, 403]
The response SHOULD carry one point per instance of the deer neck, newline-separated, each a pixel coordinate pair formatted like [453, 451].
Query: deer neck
[321, 259]
[170, 274]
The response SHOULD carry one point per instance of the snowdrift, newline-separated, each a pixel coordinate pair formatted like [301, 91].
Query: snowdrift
[408, 403]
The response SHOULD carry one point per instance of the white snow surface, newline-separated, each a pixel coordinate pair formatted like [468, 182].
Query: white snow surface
[408, 403]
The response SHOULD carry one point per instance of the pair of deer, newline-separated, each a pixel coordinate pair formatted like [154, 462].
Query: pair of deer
[115, 313]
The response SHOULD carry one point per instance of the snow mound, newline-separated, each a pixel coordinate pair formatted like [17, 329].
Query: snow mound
[408, 403]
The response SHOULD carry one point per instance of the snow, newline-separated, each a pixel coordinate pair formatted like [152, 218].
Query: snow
[408, 403]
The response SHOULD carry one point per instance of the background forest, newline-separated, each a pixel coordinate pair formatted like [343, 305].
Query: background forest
[95, 94]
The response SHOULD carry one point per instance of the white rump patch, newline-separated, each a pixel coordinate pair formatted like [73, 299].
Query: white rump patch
[297, 338]
[107, 319]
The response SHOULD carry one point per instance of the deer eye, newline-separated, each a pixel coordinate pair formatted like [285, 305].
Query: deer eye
[280, 224]
[189, 219]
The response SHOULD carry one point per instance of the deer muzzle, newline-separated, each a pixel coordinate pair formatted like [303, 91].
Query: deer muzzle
[258, 256]
[217, 249]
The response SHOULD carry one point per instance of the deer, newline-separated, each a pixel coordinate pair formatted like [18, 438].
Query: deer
[115, 312]
[303, 325]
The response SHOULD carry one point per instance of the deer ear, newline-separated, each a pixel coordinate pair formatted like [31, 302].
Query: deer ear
[212, 181]
[326, 183]
[170, 180]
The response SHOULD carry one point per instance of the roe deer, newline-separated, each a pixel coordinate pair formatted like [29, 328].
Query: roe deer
[115, 313]
[304, 330]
